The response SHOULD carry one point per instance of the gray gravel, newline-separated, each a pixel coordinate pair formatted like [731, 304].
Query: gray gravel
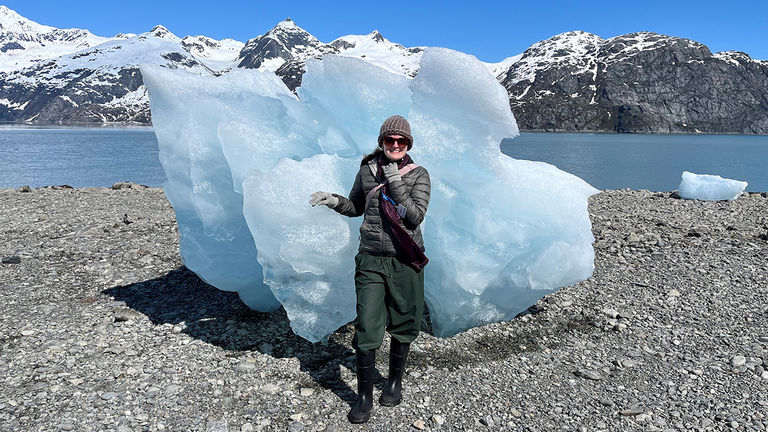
[102, 328]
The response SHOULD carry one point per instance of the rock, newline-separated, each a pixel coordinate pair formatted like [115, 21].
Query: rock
[67, 426]
[764, 375]
[25, 189]
[633, 238]
[108, 395]
[438, 419]
[127, 185]
[738, 360]
[270, 388]
[631, 412]
[246, 427]
[245, 367]
[589, 374]
[172, 390]
[124, 313]
[14, 259]
[419, 424]
[297, 417]
[305, 391]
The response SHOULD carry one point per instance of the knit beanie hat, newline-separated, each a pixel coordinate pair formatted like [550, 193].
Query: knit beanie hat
[396, 125]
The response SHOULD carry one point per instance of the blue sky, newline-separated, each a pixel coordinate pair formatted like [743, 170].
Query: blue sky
[491, 30]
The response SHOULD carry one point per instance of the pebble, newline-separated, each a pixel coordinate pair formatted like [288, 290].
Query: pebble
[738, 360]
[15, 259]
[305, 391]
[246, 367]
[270, 388]
[631, 412]
[108, 395]
[589, 374]
[419, 424]
[438, 419]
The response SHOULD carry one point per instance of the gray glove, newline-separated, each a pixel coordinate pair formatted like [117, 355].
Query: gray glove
[391, 173]
[323, 198]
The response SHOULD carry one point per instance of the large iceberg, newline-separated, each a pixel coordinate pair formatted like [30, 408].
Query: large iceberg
[709, 187]
[241, 150]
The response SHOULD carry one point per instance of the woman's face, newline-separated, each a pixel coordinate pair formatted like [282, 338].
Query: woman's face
[395, 147]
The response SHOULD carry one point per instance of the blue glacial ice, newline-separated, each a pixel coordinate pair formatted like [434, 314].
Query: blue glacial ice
[241, 150]
[709, 187]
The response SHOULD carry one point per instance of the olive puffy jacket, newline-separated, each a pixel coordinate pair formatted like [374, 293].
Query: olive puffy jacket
[412, 192]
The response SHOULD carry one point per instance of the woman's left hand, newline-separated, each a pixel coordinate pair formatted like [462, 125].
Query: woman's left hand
[391, 173]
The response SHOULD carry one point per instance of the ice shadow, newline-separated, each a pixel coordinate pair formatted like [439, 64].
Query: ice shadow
[220, 318]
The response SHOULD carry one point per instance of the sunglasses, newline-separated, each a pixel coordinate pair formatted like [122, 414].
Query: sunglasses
[391, 141]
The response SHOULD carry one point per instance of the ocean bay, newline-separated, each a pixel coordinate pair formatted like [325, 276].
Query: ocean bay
[99, 157]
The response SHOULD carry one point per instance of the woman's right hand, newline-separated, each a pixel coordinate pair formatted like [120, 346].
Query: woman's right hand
[323, 198]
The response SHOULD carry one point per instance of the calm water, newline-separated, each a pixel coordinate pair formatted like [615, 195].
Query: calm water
[78, 157]
[83, 157]
[655, 162]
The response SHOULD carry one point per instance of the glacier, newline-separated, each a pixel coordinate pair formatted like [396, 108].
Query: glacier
[242, 155]
[709, 187]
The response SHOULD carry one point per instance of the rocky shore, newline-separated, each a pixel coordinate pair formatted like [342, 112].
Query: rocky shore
[102, 328]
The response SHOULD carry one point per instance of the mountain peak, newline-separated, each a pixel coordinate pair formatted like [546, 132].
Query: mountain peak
[11, 21]
[286, 26]
[375, 35]
[163, 33]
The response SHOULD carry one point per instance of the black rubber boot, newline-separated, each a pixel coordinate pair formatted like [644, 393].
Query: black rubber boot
[366, 366]
[392, 393]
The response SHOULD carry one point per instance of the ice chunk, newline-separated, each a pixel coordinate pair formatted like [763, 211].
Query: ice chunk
[215, 241]
[306, 253]
[709, 187]
[500, 233]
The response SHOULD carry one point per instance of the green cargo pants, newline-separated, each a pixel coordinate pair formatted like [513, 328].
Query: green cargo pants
[384, 284]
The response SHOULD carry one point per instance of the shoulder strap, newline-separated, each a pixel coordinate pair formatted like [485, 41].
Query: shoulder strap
[403, 171]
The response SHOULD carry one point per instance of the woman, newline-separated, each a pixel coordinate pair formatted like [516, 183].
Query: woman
[393, 194]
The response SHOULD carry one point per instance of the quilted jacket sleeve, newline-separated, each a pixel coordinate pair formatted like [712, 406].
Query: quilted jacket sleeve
[354, 205]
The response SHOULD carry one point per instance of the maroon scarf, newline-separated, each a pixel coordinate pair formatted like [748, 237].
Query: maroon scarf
[408, 252]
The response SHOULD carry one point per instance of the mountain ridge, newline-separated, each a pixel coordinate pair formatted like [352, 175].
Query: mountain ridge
[573, 81]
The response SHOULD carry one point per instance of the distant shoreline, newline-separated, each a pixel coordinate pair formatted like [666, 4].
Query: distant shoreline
[131, 185]
[119, 125]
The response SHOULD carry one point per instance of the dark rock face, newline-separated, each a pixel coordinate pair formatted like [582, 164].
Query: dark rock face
[285, 41]
[639, 82]
[85, 97]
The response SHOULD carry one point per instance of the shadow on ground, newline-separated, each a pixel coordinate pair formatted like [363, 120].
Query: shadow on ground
[220, 318]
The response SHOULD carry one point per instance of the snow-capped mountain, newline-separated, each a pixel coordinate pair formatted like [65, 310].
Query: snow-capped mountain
[638, 82]
[215, 54]
[23, 42]
[574, 81]
[286, 48]
[96, 85]
[285, 42]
